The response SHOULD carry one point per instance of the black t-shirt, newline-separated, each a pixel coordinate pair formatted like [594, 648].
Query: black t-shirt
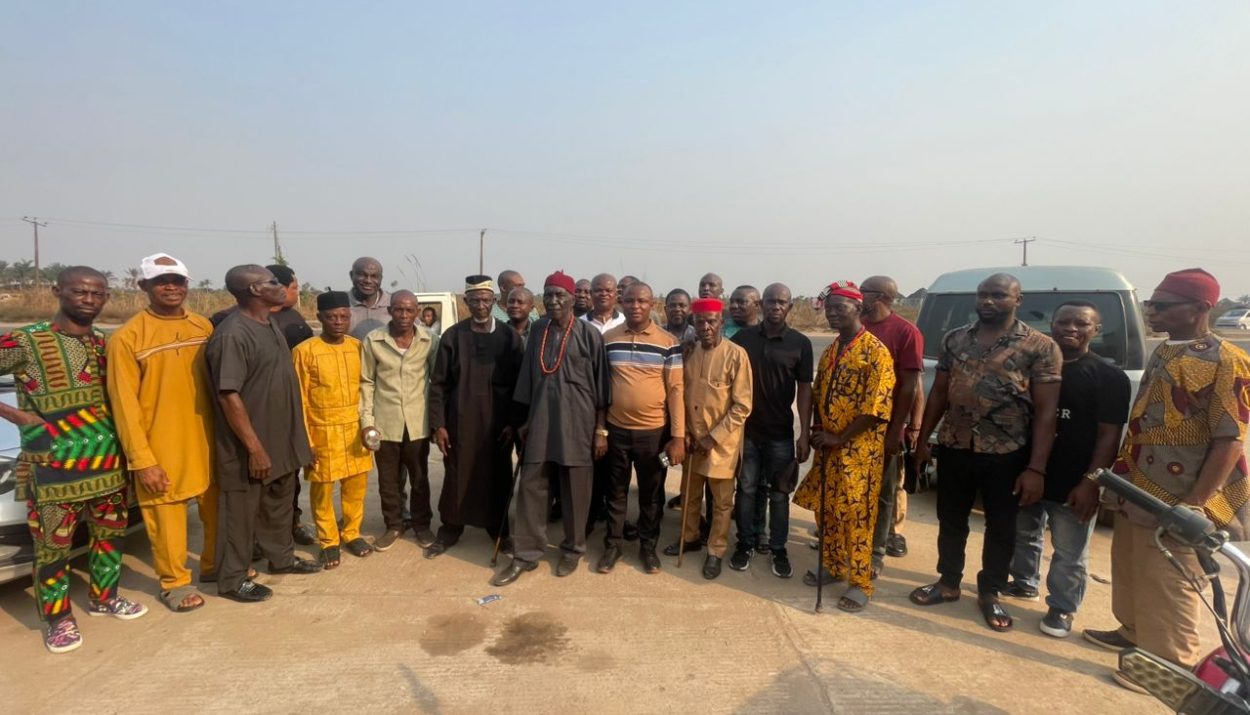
[1092, 392]
[777, 364]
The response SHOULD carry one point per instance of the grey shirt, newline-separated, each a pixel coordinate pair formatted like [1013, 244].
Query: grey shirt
[562, 405]
[252, 359]
[366, 319]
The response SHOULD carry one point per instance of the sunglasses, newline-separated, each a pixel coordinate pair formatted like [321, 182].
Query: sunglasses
[1161, 305]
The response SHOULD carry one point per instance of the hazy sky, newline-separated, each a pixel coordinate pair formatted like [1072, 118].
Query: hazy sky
[800, 142]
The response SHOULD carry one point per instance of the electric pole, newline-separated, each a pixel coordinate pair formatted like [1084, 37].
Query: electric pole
[481, 252]
[1024, 244]
[35, 224]
[277, 247]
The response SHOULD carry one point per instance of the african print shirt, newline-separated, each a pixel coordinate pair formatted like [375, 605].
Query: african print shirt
[990, 390]
[1191, 393]
[74, 455]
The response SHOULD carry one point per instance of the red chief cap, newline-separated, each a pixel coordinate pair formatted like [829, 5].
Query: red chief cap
[1192, 284]
[846, 289]
[560, 280]
[707, 305]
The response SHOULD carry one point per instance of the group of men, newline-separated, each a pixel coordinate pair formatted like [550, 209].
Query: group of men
[596, 391]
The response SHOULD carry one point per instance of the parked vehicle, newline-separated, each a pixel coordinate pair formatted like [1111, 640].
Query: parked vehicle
[1234, 319]
[446, 305]
[951, 302]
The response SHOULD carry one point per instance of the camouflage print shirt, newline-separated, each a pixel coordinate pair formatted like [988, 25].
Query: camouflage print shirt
[990, 403]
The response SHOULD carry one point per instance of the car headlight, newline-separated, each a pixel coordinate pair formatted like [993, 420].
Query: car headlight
[8, 473]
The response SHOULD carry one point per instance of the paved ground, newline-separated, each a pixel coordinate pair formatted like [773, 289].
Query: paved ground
[398, 633]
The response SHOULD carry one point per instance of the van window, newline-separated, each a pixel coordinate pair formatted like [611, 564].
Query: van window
[944, 312]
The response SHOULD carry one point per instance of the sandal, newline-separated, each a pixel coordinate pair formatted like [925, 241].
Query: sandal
[854, 600]
[176, 599]
[996, 617]
[931, 595]
[329, 558]
[826, 578]
[358, 547]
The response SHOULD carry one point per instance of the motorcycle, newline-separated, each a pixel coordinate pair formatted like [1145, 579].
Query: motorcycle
[1220, 684]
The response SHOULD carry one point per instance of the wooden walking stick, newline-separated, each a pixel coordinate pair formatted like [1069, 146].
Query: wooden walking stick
[820, 548]
[685, 501]
[516, 475]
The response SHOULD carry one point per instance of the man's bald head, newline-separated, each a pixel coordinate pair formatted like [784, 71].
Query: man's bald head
[711, 286]
[1006, 280]
[879, 294]
[998, 297]
[884, 285]
[404, 296]
[73, 274]
[366, 275]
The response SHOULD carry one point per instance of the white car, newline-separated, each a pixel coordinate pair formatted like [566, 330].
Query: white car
[1234, 319]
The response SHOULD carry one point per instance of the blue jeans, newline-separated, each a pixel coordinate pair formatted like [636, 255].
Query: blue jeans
[762, 462]
[1065, 582]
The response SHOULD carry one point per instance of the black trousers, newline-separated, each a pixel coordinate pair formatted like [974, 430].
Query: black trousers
[529, 537]
[260, 514]
[400, 463]
[599, 491]
[962, 475]
[629, 451]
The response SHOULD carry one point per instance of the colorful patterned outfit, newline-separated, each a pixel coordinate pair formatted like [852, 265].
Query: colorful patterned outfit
[70, 468]
[329, 383]
[860, 381]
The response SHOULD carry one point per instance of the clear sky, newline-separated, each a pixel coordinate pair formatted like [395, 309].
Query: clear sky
[796, 142]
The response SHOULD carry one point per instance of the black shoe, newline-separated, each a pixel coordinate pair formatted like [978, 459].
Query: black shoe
[741, 560]
[674, 503]
[568, 564]
[513, 572]
[711, 567]
[650, 562]
[1056, 623]
[425, 538]
[298, 565]
[691, 546]
[781, 564]
[249, 592]
[610, 557]
[896, 546]
[630, 531]
[1021, 591]
[304, 535]
[435, 550]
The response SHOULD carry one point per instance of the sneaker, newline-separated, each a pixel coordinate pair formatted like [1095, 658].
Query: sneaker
[63, 636]
[1020, 591]
[781, 564]
[1126, 681]
[1111, 640]
[896, 546]
[118, 607]
[1056, 623]
[741, 560]
[386, 540]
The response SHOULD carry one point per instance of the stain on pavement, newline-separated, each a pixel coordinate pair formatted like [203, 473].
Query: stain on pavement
[530, 638]
[452, 633]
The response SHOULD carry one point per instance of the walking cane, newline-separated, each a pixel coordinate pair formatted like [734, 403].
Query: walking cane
[820, 548]
[685, 500]
[516, 475]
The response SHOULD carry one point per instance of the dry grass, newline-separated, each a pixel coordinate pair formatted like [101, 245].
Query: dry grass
[28, 305]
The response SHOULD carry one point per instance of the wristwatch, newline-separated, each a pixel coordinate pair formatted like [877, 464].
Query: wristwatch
[601, 432]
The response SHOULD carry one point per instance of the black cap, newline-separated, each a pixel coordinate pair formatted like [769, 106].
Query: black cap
[332, 299]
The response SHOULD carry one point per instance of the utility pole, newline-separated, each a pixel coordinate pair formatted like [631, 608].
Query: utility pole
[1024, 244]
[481, 252]
[277, 247]
[35, 224]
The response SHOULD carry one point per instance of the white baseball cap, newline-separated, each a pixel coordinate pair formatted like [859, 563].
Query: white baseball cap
[162, 264]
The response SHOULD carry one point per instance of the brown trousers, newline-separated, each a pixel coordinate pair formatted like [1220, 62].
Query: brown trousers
[1156, 607]
[722, 511]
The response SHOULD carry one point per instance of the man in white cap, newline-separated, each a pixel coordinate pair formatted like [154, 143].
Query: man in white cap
[162, 402]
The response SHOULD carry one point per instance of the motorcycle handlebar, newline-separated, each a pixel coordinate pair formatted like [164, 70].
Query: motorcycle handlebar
[1184, 523]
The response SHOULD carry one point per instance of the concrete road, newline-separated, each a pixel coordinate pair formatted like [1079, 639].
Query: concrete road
[398, 633]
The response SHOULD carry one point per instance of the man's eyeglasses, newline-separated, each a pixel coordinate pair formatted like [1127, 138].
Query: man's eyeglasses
[1159, 306]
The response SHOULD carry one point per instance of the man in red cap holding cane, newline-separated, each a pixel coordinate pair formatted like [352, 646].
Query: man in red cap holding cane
[1184, 445]
[566, 388]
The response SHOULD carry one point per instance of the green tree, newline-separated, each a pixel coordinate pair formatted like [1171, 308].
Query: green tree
[132, 278]
[205, 284]
[22, 272]
[51, 271]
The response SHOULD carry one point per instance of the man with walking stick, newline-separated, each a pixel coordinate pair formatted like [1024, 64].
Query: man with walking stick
[853, 396]
[564, 384]
[471, 388]
[718, 402]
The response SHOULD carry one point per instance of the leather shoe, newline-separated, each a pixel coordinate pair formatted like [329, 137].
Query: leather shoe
[513, 572]
[711, 567]
[650, 562]
[568, 564]
[610, 557]
[304, 535]
[300, 566]
[249, 592]
[435, 550]
[691, 547]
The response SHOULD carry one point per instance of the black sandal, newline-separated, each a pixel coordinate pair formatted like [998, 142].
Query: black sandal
[995, 615]
[931, 595]
[358, 547]
[329, 558]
